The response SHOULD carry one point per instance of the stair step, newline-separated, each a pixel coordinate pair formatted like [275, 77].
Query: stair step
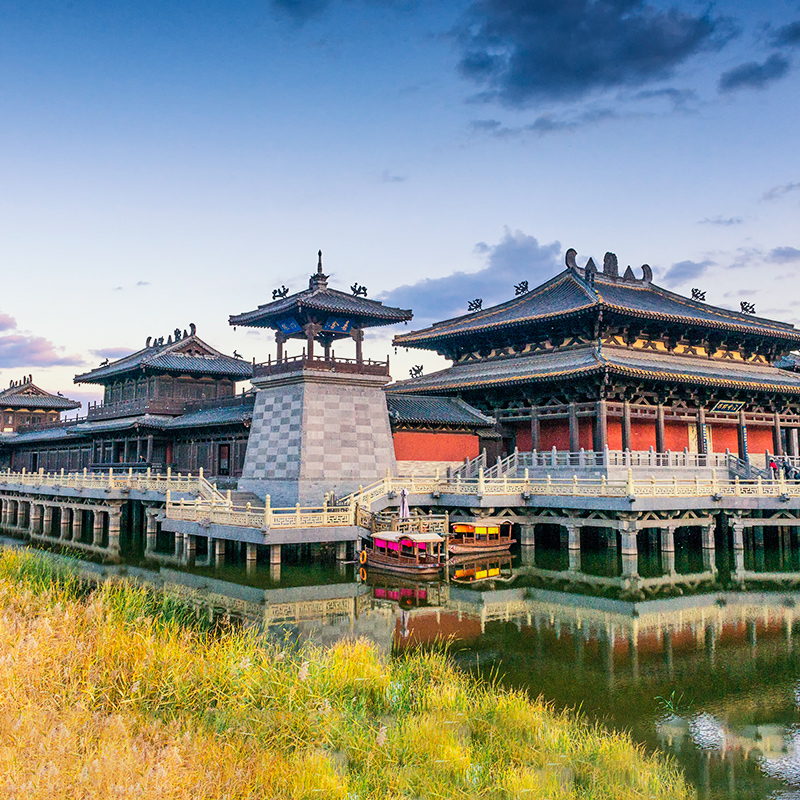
[243, 498]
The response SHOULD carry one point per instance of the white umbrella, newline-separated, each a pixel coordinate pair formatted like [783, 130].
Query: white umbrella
[405, 513]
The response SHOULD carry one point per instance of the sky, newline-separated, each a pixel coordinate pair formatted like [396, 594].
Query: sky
[163, 163]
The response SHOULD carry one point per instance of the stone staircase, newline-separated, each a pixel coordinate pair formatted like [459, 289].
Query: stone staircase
[241, 499]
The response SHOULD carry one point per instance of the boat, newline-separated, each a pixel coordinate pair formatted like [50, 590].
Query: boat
[490, 535]
[410, 551]
[474, 569]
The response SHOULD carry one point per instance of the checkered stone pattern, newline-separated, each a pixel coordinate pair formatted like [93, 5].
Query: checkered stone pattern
[346, 434]
[275, 443]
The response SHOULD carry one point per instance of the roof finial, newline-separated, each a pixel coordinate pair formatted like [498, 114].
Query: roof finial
[319, 264]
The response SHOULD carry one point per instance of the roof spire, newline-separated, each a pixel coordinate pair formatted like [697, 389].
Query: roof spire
[318, 280]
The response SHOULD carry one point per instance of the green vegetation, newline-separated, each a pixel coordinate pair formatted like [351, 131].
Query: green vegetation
[120, 692]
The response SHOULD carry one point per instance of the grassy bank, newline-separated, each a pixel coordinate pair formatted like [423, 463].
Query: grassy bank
[118, 692]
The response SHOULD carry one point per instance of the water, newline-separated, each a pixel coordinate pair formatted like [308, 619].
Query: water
[698, 658]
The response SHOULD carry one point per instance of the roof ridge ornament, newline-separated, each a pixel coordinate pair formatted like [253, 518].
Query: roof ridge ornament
[647, 273]
[569, 259]
[610, 265]
[318, 280]
[629, 276]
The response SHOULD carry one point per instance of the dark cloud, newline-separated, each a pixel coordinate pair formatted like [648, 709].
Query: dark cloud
[300, 11]
[515, 258]
[724, 222]
[522, 51]
[20, 350]
[783, 255]
[544, 124]
[681, 100]
[778, 191]
[112, 352]
[787, 36]
[754, 75]
[685, 271]
[7, 323]
[387, 177]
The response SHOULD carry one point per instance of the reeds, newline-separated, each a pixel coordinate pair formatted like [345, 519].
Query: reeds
[119, 692]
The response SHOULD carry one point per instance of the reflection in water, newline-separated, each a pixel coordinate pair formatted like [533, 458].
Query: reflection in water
[693, 651]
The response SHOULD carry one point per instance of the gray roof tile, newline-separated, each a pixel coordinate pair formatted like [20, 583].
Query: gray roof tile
[422, 409]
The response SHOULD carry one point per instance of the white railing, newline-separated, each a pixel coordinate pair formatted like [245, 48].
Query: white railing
[526, 487]
[470, 467]
[139, 481]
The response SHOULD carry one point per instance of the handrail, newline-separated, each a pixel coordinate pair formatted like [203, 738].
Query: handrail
[121, 479]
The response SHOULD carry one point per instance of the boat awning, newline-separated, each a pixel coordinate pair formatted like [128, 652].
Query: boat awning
[482, 522]
[413, 536]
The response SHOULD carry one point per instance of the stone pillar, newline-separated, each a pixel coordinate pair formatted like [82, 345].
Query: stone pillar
[527, 538]
[341, 551]
[274, 554]
[574, 557]
[189, 549]
[660, 435]
[48, 521]
[177, 546]
[626, 425]
[114, 521]
[65, 526]
[667, 540]
[3, 512]
[574, 437]
[151, 535]
[36, 518]
[737, 532]
[77, 524]
[707, 537]
[219, 553]
[251, 557]
[629, 549]
[97, 528]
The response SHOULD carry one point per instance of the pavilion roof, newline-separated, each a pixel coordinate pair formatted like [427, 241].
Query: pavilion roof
[317, 299]
[432, 410]
[25, 394]
[571, 363]
[577, 291]
[188, 355]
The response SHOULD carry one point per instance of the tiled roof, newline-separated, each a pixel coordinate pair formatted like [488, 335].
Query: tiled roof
[318, 297]
[569, 294]
[422, 409]
[171, 358]
[213, 416]
[567, 364]
[27, 395]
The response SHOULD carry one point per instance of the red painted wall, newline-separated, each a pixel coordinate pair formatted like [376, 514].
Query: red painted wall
[524, 437]
[676, 436]
[615, 434]
[586, 433]
[554, 433]
[725, 436]
[419, 446]
[643, 434]
[759, 440]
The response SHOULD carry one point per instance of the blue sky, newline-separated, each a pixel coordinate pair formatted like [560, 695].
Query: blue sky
[165, 163]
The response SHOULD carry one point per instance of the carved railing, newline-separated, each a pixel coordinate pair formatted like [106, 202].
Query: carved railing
[111, 479]
[347, 365]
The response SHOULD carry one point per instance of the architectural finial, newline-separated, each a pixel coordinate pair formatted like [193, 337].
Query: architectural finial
[319, 263]
[569, 258]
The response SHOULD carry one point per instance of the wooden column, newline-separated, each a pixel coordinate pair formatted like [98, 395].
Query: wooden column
[776, 434]
[138, 449]
[701, 422]
[742, 435]
[574, 437]
[626, 425]
[358, 335]
[660, 437]
[601, 426]
[279, 339]
[150, 449]
[536, 431]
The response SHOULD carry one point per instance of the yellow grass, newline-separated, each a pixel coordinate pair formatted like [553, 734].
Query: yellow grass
[117, 693]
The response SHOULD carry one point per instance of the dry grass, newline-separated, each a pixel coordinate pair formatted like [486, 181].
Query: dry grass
[118, 693]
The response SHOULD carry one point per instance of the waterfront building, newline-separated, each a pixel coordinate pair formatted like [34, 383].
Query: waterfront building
[172, 403]
[594, 359]
[25, 406]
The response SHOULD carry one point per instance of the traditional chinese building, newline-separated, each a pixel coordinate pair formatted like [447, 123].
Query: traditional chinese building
[172, 403]
[25, 405]
[594, 359]
[320, 420]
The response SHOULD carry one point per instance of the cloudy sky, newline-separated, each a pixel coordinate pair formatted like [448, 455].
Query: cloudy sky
[165, 163]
